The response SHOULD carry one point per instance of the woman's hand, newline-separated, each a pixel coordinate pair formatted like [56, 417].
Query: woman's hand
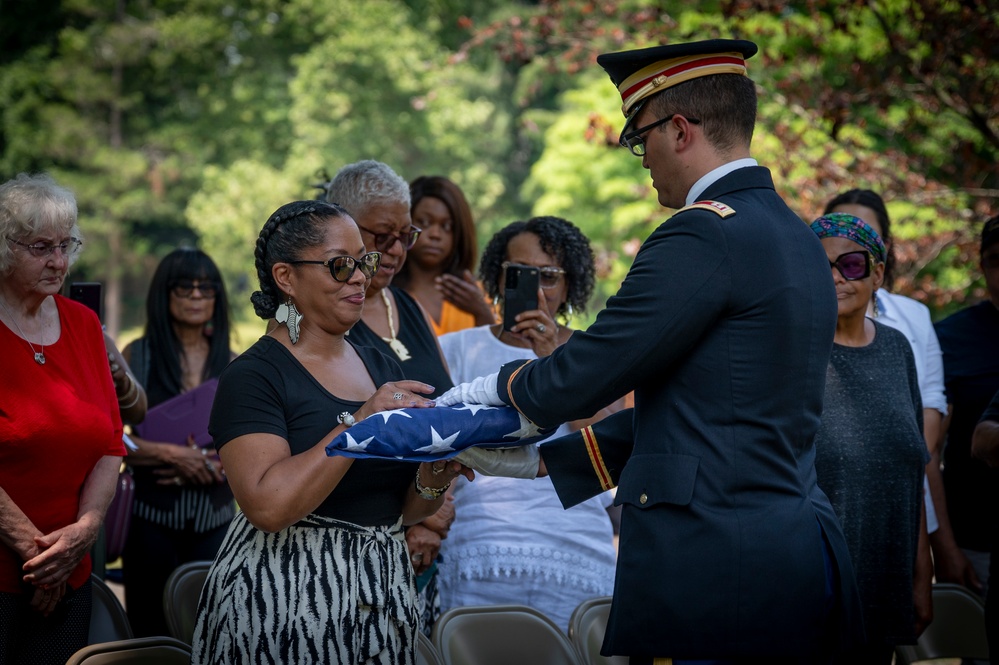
[465, 293]
[538, 328]
[61, 552]
[396, 395]
[424, 544]
[441, 521]
[44, 601]
[121, 381]
[191, 465]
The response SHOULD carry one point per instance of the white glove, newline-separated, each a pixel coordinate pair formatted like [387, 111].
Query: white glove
[481, 390]
[520, 462]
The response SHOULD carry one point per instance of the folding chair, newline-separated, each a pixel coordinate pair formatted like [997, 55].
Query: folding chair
[137, 651]
[501, 635]
[586, 631]
[180, 598]
[108, 621]
[957, 630]
[426, 652]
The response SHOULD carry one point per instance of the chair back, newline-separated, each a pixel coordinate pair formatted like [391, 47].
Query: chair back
[426, 652]
[180, 598]
[586, 631]
[501, 635]
[108, 621]
[137, 651]
[957, 629]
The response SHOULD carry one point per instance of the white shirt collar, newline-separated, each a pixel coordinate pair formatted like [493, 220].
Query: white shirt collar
[714, 176]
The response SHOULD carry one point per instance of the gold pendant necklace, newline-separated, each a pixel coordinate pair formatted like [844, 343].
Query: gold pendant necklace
[39, 355]
[400, 349]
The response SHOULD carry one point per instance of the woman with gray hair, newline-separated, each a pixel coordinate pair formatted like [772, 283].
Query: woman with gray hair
[394, 323]
[60, 430]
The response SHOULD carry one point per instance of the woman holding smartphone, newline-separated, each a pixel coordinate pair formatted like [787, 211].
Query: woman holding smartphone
[514, 542]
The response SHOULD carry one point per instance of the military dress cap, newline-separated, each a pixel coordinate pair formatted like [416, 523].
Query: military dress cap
[642, 73]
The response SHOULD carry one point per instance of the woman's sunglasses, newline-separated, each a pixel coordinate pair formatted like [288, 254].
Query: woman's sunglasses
[342, 267]
[185, 288]
[853, 265]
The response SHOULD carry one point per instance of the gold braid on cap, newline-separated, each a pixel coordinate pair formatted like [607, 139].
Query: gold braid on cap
[666, 73]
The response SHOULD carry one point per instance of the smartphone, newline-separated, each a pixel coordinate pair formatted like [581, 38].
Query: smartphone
[520, 292]
[90, 294]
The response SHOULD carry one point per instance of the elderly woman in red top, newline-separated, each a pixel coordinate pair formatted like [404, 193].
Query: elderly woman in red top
[60, 431]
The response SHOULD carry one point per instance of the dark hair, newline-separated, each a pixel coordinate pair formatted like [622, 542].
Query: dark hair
[164, 346]
[870, 199]
[290, 229]
[465, 249]
[724, 103]
[558, 237]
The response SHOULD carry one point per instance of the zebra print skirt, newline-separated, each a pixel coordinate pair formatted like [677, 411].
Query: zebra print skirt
[321, 591]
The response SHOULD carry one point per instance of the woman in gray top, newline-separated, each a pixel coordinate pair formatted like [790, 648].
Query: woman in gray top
[870, 453]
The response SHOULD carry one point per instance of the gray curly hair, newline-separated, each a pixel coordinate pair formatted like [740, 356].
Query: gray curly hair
[31, 205]
[357, 186]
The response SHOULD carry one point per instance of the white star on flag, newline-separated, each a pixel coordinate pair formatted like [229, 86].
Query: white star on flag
[421, 435]
[438, 444]
[474, 408]
[354, 445]
[394, 412]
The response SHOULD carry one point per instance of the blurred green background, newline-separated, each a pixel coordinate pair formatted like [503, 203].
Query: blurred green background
[187, 122]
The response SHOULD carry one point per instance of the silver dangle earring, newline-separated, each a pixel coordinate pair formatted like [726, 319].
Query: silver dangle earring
[568, 309]
[288, 314]
[874, 298]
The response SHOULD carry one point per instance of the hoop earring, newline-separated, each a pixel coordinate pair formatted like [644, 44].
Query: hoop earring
[288, 314]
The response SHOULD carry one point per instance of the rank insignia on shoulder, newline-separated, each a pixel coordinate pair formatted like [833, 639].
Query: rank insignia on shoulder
[716, 207]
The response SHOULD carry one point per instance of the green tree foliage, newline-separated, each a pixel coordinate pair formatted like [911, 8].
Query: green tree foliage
[899, 96]
[189, 121]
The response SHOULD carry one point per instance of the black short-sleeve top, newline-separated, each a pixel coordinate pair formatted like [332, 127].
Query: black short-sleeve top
[267, 390]
[425, 363]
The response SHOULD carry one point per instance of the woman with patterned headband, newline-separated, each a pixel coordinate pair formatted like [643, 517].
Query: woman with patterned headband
[870, 453]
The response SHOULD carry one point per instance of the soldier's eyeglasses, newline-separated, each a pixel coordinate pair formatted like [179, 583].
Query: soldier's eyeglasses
[635, 142]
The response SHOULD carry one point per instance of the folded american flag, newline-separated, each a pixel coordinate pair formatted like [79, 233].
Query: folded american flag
[427, 435]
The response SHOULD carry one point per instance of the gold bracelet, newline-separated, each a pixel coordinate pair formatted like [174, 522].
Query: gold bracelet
[428, 493]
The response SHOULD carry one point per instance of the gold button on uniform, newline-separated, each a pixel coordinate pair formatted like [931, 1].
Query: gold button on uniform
[643, 499]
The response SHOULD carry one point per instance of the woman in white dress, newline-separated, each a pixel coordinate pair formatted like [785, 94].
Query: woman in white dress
[512, 541]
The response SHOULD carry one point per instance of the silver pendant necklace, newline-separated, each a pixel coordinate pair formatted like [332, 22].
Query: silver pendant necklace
[39, 355]
[394, 343]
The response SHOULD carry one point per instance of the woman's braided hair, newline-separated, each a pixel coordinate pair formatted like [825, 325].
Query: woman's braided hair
[291, 228]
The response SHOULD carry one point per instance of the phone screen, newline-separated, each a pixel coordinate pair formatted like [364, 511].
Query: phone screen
[89, 294]
[520, 292]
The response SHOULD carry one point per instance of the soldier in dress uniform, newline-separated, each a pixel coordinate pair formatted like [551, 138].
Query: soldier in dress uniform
[723, 329]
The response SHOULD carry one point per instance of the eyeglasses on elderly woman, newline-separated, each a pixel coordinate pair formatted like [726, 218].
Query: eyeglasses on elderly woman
[41, 250]
[853, 265]
[342, 267]
[384, 241]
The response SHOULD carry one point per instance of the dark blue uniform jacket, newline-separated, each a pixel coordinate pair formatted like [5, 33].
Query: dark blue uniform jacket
[723, 329]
